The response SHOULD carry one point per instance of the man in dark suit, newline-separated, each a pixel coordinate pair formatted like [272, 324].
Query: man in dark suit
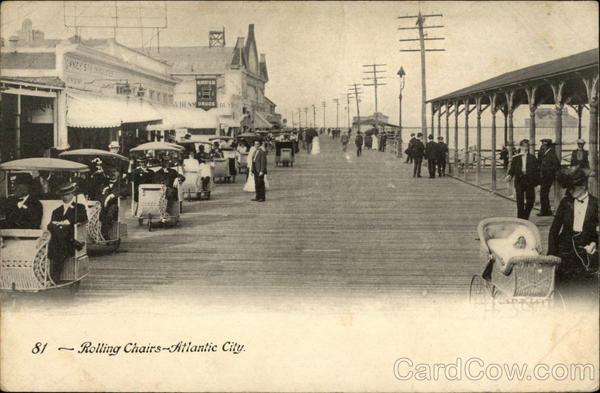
[408, 151]
[573, 237]
[22, 210]
[382, 141]
[417, 154]
[441, 158]
[358, 142]
[167, 176]
[259, 170]
[62, 228]
[549, 166]
[141, 175]
[524, 169]
[431, 153]
[579, 157]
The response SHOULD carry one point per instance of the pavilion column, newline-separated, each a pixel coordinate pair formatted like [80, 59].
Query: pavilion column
[579, 113]
[493, 109]
[432, 121]
[591, 85]
[510, 108]
[440, 121]
[18, 128]
[557, 90]
[467, 110]
[478, 147]
[532, 108]
[447, 134]
[456, 113]
[505, 113]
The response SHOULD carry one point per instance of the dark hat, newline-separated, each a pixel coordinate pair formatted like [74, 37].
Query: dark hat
[67, 188]
[546, 140]
[430, 136]
[413, 134]
[570, 177]
[440, 138]
[142, 159]
[419, 134]
[23, 178]
[523, 141]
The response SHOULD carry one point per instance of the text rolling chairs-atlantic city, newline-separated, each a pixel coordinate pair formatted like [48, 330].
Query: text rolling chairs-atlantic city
[25, 260]
[103, 203]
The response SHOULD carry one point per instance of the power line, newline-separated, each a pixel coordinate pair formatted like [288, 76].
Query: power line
[375, 78]
[420, 26]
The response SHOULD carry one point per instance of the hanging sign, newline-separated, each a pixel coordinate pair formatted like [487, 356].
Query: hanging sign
[206, 93]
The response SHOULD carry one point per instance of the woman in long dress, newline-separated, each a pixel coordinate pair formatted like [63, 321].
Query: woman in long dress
[375, 145]
[249, 186]
[316, 146]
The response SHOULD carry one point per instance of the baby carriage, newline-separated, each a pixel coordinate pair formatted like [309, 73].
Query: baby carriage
[514, 270]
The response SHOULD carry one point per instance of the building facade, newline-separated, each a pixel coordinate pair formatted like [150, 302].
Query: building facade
[98, 91]
[227, 82]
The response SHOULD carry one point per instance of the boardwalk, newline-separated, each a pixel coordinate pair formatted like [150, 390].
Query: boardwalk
[333, 225]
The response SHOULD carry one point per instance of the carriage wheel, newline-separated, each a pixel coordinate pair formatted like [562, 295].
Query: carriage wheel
[479, 292]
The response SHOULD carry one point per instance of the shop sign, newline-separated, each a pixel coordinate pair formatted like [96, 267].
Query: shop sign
[206, 93]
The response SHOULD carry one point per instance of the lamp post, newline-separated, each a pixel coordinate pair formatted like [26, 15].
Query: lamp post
[401, 74]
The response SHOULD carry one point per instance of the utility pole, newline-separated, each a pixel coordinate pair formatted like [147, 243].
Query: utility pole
[306, 116]
[375, 82]
[357, 97]
[299, 118]
[337, 113]
[348, 95]
[401, 74]
[314, 116]
[324, 104]
[420, 22]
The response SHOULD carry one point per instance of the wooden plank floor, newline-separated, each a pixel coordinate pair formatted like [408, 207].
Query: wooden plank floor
[333, 225]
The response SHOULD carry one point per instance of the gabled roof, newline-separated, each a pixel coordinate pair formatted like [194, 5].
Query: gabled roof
[551, 68]
[198, 59]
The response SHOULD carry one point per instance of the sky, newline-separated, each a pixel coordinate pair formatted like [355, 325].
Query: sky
[315, 50]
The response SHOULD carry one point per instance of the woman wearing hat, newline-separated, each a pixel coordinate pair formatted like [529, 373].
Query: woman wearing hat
[579, 157]
[62, 228]
[573, 236]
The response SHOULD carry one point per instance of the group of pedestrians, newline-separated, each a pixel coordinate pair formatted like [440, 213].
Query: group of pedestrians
[436, 154]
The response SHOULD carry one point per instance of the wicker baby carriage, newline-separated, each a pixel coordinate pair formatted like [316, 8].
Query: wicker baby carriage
[513, 273]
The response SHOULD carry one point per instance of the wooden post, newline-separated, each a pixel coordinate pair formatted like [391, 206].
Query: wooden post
[579, 113]
[447, 133]
[532, 107]
[466, 163]
[456, 113]
[433, 109]
[557, 90]
[18, 128]
[439, 120]
[493, 109]
[478, 147]
[591, 85]
[510, 108]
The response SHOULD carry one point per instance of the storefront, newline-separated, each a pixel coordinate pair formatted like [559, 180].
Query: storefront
[30, 117]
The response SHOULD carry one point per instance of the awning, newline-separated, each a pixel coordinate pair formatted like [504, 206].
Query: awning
[91, 111]
[176, 118]
[260, 121]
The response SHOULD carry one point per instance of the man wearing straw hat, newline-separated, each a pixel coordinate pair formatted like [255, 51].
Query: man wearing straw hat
[62, 228]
